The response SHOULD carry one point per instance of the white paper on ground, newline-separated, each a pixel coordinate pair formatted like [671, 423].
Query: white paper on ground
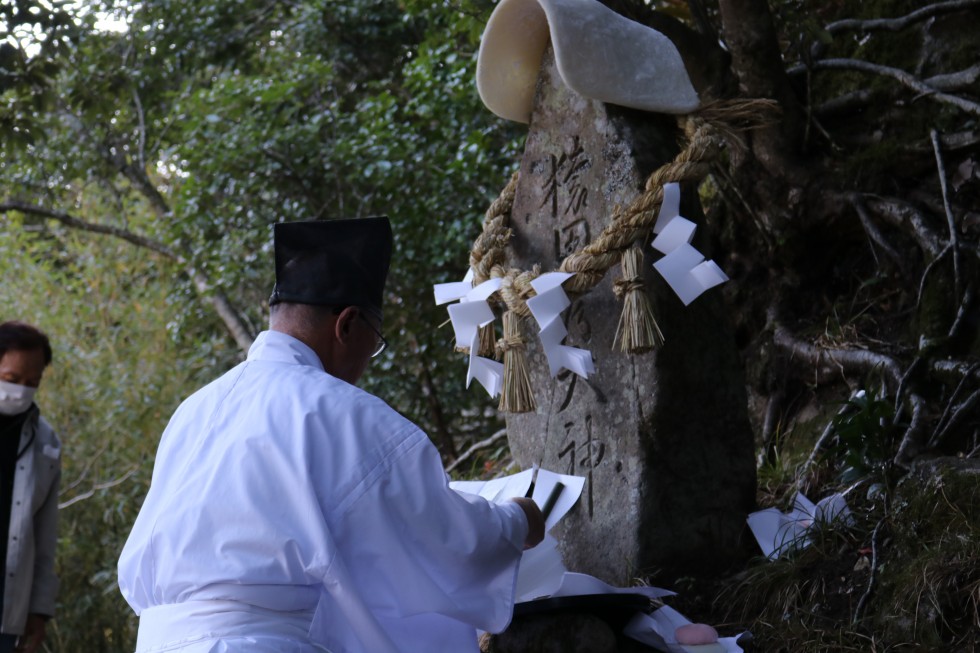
[778, 532]
[657, 630]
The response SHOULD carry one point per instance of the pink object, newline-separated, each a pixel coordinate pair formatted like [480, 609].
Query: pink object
[695, 634]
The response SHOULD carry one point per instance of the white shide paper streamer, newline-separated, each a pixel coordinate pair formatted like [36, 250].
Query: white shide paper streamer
[467, 316]
[546, 307]
[683, 268]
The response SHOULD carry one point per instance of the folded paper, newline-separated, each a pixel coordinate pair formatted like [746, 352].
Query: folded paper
[600, 54]
[467, 316]
[778, 533]
[543, 575]
[683, 267]
[546, 307]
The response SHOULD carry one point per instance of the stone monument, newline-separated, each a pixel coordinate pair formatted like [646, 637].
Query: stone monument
[662, 438]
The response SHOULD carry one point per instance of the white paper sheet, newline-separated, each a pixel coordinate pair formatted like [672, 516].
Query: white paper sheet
[543, 486]
[541, 571]
[679, 231]
[483, 291]
[778, 533]
[497, 490]
[683, 267]
[548, 305]
[450, 292]
[573, 584]
[488, 372]
[546, 309]
[657, 630]
[670, 207]
[467, 317]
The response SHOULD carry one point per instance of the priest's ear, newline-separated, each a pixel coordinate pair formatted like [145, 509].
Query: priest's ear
[345, 317]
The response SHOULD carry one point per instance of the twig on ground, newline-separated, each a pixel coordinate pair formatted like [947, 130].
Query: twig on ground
[824, 436]
[961, 411]
[925, 273]
[956, 393]
[899, 393]
[862, 602]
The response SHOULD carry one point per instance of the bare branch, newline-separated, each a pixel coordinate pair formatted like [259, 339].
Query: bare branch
[902, 214]
[965, 304]
[925, 273]
[859, 610]
[950, 220]
[912, 440]
[896, 24]
[902, 77]
[872, 231]
[955, 81]
[964, 409]
[952, 398]
[845, 104]
[141, 152]
[955, 369]
[216, 298]
[96, 488]
[482, 444]
[847, 360]
[821, 441]
[75, 223]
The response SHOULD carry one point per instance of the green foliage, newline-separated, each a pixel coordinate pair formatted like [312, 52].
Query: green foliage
[865, 433]
[116, 376]
[196, 129]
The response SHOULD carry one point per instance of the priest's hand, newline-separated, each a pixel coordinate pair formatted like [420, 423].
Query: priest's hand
[30, 641]
[535, 521]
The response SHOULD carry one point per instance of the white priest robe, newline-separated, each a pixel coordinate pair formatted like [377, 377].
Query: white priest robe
[291, 512]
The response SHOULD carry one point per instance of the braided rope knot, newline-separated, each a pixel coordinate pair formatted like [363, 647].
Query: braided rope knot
[621, 287]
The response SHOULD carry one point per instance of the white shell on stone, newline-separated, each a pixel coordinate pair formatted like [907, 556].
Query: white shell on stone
[599, 55]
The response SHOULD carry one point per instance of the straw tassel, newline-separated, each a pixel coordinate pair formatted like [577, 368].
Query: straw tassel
[487, 342]
[516, 396]
[637, 331]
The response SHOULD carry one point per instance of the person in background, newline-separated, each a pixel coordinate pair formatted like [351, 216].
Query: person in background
[290, 511]
[30, 472]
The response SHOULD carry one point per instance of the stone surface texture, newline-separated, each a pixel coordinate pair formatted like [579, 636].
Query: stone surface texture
[662, 438]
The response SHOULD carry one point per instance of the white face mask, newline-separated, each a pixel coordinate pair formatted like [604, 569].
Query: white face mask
[15, 399]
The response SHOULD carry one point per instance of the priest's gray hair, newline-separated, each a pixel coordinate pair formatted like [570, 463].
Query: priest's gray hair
[294, 318]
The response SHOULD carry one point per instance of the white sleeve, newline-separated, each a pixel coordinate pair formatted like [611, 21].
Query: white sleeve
[415, 546]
